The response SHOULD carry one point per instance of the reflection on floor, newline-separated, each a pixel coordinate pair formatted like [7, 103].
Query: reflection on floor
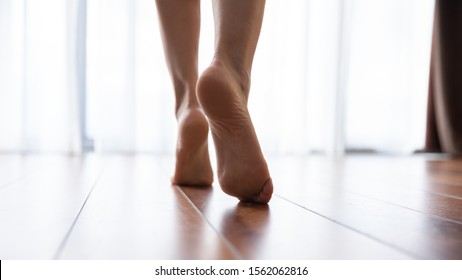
[123, 207]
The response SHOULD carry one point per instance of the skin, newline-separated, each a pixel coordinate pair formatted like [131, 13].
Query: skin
[180, 22]
[218, 98]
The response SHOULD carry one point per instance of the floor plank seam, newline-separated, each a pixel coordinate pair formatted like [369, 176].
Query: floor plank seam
[426, 191]
[347, 190]
[408, 208]
[222, 237]
[441, 194]
[452, 184]
[412, 188]
[63, 243]
[445, 195]
[401, 250]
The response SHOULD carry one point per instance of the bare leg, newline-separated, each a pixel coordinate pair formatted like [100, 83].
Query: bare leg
[180, 23]
[223, 91]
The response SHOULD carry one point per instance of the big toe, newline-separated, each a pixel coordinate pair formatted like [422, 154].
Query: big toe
[265, 194]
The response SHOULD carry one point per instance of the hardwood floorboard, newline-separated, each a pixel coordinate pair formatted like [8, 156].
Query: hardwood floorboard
[135, 213]
[445, 172]
[124, 207]
[413, 185]
[37, 211]
[427, 174]
[376, 179]
[410, 172]
[282, 230]
[419, 234]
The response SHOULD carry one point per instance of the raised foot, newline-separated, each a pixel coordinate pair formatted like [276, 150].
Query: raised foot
[192, 165]
[242, 169]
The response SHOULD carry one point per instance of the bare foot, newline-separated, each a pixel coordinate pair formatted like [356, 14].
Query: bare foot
[242, 169]
[192, 165]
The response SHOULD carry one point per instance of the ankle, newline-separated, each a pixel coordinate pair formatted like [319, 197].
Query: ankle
[240, 73]
[185, 98]
[185, 106]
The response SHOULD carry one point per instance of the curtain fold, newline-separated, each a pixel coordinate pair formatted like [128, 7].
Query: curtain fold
[38, 97]
[444, 117]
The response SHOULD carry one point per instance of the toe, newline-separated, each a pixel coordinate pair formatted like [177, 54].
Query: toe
[265, 194]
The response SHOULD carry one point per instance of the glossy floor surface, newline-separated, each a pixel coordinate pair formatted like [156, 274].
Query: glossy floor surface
[124, 207]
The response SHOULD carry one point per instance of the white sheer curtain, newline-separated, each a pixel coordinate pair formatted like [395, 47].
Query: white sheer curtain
[388, 74]
[38, 102]
[328, 75]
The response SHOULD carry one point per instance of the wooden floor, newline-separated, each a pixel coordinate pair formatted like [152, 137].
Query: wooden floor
[123, 207]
